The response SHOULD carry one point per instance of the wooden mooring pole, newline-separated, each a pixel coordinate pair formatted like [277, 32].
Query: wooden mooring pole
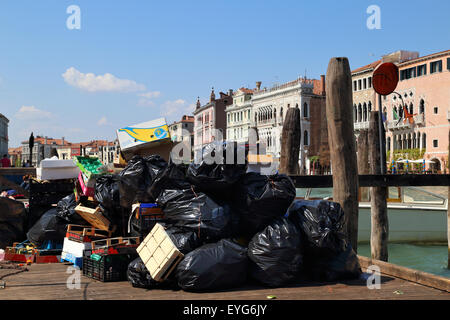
[448, 205]
[378, 195]
[341, 139]
[363, 160]
[290, 143]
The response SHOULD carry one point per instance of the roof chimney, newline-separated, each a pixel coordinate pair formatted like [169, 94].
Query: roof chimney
[322, 77]
[230, 92]
[258, 85]
[45, 140]
[213, 95]
[63, 140]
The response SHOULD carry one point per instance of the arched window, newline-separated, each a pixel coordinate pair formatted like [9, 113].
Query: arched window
[418, 140]
[305, 138]
[370, 110]
[305, 110]
[388, 144]
[411, 108]
[424, 141]
[281, 113]
[422, 107]
[365, 112]
[414, 145]
[400, 111]
[359, 113]
[275, 113]
[355, 114]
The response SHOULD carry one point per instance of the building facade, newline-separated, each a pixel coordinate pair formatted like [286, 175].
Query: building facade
[269, 112]
[210, 118]
[176, 129]
[424, 88]
[42, 149]
[239, 115]
[3, 135]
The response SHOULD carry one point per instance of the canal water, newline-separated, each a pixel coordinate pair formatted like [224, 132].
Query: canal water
[428, 258]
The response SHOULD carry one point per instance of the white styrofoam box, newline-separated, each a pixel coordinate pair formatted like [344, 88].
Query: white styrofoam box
[57, 173]
[143, 133]
[2, 254]
[75, 248]
[56, 163]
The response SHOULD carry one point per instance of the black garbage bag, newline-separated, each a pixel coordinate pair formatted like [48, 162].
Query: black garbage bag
[322, 225]
[259, 199]
[49, 227]
[197, 212]
[66, 210]
[107, 191]
[217, 177]
[12, 221]
[139, 277]
[213, 266]
[172, 177]
[327, 255]
[137, 178]
[185, 240]
[276, 254]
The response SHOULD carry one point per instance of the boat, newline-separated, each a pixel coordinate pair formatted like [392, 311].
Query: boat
[415, 215]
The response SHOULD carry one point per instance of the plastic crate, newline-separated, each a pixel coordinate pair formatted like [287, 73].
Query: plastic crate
[159, 254]
[89, 166]
[83, 234]
[68, 257]
[84, 186]
[108, 268]
[118, 245]
[143, 218]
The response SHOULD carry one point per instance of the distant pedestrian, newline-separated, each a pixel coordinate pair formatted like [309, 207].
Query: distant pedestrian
[5, 161]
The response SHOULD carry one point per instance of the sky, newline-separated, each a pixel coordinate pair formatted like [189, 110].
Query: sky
[133, 61]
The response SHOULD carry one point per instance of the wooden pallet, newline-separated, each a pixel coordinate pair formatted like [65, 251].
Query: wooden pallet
[86, 233]
[159, 254]
[112, 242]
[94, 217]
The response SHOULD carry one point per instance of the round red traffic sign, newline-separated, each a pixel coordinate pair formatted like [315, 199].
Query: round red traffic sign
[385, 78]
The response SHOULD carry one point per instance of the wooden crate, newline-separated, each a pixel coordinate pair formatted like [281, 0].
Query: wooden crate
[120, 245]
[94, 217]
[85, 233]
[159, 254]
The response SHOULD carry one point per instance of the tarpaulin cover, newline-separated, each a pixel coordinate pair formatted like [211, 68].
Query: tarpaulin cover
[137, 178]
[172, 177]
[327, 255]
[12, 221]
[49, 227]
[259, 199]
[197, 212]
[215, 176]
[213, 266]
[276, 254]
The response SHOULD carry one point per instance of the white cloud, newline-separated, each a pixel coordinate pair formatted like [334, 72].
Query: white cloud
[95, 83]
[150, 94]
[145, 103]
[173, 107]
[32, 113]
[103, 121]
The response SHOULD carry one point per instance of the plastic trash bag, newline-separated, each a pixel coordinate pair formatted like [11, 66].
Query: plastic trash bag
[137, 178]
[185, 240]
[49, 227]
[139, 277]
[214, 177]
[327, 255]
[107, 191]
[276, 254]
[66, 210]
[260, 199]
[197, 212]
[213, 266]
[12, 221]
[172, 177]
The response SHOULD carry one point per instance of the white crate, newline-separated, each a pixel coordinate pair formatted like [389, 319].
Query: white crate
[159, 254]
[75, 248]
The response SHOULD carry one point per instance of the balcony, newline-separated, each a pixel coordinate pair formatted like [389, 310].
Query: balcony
[419, 119]
[396, 125]
[361, 125]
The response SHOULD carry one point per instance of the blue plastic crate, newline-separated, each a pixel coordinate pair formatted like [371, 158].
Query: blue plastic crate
[77, 261]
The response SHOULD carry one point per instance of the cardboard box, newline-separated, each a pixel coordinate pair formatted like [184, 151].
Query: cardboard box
[145, 139]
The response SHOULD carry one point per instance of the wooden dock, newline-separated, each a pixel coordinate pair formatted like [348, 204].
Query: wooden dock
[49, 282]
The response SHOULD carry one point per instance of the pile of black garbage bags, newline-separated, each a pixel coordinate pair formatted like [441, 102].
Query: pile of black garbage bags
[236, 227]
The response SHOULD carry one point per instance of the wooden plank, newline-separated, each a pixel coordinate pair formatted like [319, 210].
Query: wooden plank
[377, 180]
[378, 195]
[416, 276]
[341, 139]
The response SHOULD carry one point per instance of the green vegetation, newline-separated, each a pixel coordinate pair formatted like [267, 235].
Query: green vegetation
[411, 154]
